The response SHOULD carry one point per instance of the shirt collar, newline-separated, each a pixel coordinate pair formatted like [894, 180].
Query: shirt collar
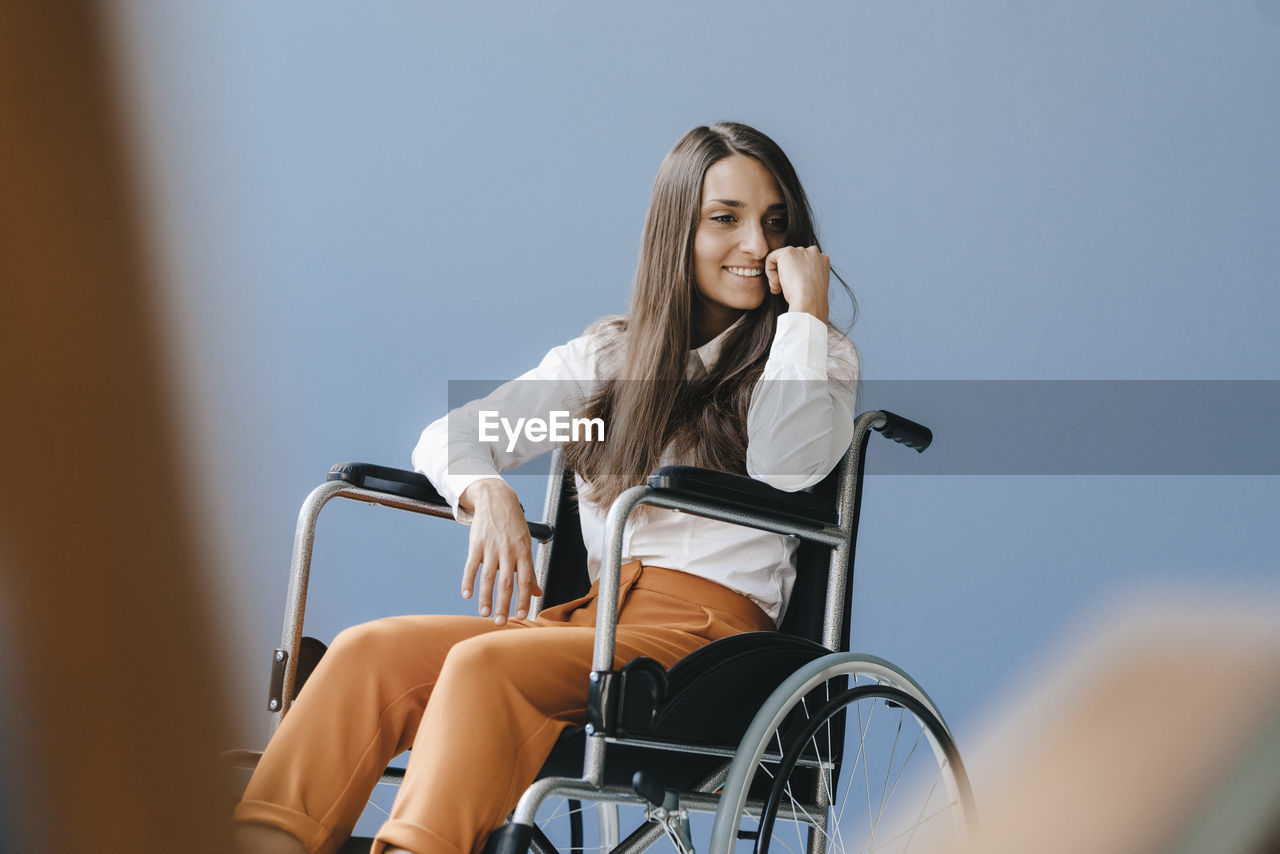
[703, 359]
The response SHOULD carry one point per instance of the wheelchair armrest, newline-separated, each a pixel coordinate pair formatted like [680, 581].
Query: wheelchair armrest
[390, 487]
[744, 493]
[406, 484]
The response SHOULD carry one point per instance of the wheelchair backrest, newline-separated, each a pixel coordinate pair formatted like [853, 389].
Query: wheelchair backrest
[566, 572]
[566, 576]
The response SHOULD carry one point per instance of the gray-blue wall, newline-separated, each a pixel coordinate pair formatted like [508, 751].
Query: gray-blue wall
[360, 202]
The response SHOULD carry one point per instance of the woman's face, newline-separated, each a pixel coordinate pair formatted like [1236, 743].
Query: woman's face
[743, 219]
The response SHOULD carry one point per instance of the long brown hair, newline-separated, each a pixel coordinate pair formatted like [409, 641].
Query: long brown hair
[654, 407]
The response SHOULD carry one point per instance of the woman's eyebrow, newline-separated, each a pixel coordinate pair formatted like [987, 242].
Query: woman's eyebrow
[736, 204]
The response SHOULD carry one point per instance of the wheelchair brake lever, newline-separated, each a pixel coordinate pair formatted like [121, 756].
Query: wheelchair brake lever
[664, 808]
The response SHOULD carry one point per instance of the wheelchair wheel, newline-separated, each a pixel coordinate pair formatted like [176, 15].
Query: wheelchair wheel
[849, 755]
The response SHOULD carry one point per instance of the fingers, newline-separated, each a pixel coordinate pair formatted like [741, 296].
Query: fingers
[498, 569]
[771, 270]
[503, 588]
[518, 580]
[498, 565]
[802, 275]
[487, 571]
[469, 571]
[526, 588]
[507, 584]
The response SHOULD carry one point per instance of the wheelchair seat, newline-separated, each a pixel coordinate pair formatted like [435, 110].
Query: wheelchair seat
[708, 698]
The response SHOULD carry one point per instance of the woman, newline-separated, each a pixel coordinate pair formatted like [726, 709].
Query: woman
[725, 360]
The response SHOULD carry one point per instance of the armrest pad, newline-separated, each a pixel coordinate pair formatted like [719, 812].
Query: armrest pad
[406, 484]
[744, 493]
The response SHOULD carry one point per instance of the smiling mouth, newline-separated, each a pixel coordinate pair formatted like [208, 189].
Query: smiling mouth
[746, 272]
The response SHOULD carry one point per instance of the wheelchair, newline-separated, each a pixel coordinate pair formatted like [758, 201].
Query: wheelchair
[791, 741]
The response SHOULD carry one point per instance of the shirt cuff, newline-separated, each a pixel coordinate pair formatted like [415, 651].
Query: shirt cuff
[801, 339]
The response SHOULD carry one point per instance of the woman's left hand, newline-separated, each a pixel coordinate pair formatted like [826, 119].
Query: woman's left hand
[802, 274]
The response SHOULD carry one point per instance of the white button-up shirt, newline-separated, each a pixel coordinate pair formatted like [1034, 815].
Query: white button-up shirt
[799, 424]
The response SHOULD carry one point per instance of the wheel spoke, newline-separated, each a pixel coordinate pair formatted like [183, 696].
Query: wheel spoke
[901, 771]
[873, 823]
[905, 762]
[836, 834]
[377, 806]
[925, 805]
[910, 830]
[888, 768]
[862, 744]
[787, 786]
[560, 812]
[838, 819]
[783, 842]
[561, 809]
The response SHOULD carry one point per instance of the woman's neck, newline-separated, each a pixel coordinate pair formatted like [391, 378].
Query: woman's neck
[710, 322]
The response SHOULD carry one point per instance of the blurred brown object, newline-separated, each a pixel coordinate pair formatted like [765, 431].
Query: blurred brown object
[1158, 733]
[112, 675]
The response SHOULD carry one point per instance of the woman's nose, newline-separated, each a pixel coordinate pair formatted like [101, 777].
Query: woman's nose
[753, 241]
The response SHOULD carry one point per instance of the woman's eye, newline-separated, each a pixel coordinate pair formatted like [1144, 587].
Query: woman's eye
[777, 223]
[724, 218]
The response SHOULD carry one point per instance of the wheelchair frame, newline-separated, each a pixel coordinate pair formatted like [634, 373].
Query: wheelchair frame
[410, 491]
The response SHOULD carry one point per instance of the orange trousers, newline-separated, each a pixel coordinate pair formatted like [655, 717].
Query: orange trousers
[482, 706]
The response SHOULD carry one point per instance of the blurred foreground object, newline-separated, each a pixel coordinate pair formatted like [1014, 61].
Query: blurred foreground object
[111, 677]
[1159, 733]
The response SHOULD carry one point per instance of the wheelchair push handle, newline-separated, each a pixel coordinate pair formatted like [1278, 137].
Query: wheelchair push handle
[903, 431]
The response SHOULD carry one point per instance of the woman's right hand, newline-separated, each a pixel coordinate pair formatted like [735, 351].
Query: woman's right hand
[500, 554]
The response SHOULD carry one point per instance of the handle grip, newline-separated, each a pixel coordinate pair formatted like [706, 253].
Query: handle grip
[905, 431]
